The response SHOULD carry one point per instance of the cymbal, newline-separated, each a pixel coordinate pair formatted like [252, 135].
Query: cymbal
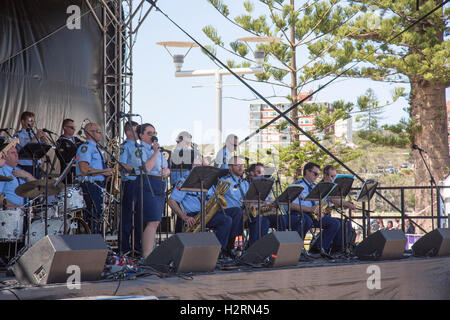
[5, 178]
[33, 188]
[91, 174]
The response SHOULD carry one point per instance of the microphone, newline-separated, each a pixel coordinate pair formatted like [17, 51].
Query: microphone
[416, 147]
[48, 131]
[161, 149]
[121, 114]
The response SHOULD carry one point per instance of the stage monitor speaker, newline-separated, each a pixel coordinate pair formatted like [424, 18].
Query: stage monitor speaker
[277, 249]
[186, 252]
[47, 261]
[434, 243]
[382, 245]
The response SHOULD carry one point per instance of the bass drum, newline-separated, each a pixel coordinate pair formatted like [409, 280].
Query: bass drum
[55, 227]
[11, 225]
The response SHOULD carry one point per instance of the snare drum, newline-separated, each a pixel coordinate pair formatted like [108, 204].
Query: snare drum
[75, 200]
[11, 225]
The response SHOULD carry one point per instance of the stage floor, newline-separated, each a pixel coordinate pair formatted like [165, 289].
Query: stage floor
[408, 278]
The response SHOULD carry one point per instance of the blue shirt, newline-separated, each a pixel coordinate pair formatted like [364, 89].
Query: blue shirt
[308, 186]
[127, 150]
[237, 191]
[24, 139]
[189, 200]
[8, 187]
[147, 152]
[90, 153]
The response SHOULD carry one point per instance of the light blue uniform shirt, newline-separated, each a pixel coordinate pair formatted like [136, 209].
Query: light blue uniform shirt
[90, 153]
[147, 152]
[236, 193]
[127, 150]
[8, 187]
[307, 189]
[24, 139]
[189, 200]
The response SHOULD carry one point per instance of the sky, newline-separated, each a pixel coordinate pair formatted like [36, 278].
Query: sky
[175, 104]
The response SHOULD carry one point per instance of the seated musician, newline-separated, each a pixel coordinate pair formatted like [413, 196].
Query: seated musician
[27, 135]
[186, 205]
[92, 164]
[182, 157]
[234, 198]
[8, 197]
[329, 174]
[66, 147]
[279, 222]
[256, 171]
[311, 172]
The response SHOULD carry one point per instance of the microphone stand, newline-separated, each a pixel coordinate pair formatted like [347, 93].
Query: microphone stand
[47, 159]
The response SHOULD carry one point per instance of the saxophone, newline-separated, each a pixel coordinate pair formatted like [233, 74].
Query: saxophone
[214, 203]
[110, 201]
[265, 210]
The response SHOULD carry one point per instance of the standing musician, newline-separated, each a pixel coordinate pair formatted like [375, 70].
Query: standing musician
[182, 157]
[329, 174]
[67, 146]
[127, 150]
[8, 196]
[234, 198]
[311, 172]
[91, 163]
[26, 135]
[187, 205]
[224, 155]
[156, 171]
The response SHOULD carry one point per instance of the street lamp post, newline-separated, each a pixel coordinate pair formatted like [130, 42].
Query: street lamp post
[178, 61]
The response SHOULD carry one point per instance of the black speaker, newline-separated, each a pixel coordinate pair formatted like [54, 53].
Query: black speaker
[382, 245]
[47, 261]
[186, 252]
[279, 248]
[434, 243]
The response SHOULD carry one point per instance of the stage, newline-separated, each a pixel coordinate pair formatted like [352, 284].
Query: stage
[340, 279]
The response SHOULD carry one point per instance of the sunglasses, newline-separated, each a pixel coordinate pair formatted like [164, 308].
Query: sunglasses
[95, 131]
[70, 127]
[151, 133]
[316, 174]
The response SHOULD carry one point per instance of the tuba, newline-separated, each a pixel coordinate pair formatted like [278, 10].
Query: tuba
[214, 203]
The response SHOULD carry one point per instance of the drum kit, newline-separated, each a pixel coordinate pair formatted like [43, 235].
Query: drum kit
[66, 206]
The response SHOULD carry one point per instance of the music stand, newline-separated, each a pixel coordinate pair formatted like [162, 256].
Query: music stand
[320, 193]
[287, 196]
[366, 193]
[343, 186]
[258, 191]
[201, 179]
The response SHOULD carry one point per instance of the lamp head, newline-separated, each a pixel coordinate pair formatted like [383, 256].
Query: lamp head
[178, 60]
[259, 57]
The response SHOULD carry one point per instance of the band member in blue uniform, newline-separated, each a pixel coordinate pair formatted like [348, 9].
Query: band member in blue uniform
[127, 150]
[229, 149]
[157, 171]
[27, 135]
[187, 205]
[234, 198]
[8, 196]
[311, 172]
[66, 147]
[329, 174]
[91, 164]
[182, 157]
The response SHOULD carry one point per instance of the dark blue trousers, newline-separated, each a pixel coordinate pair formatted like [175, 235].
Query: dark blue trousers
[94, 200]
[128, 198]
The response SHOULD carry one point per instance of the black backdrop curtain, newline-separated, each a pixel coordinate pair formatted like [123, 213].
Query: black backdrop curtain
[59, 77]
